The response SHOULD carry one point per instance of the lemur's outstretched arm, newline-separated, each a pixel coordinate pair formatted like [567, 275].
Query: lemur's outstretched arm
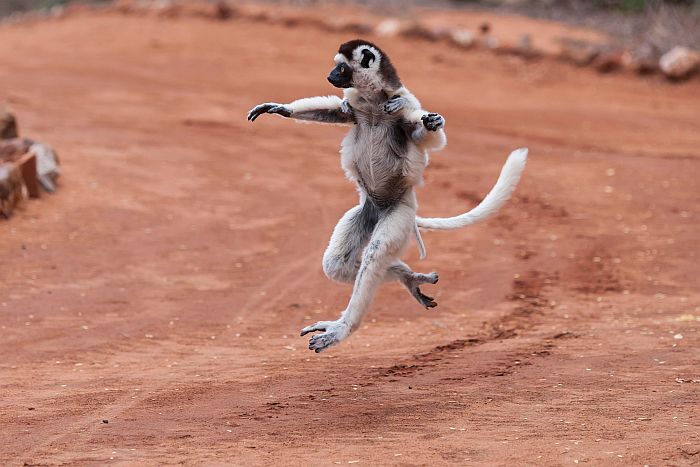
[321, 109]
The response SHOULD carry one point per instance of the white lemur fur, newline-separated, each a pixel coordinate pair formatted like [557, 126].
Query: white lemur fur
[384, 154]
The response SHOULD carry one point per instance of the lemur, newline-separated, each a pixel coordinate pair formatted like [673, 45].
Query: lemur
[384, 154]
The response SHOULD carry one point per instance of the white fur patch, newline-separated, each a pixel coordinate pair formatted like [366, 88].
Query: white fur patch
[315, 103]
[340, 58]
[352, 95]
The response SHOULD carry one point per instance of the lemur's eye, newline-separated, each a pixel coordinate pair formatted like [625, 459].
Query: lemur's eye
[342, 68]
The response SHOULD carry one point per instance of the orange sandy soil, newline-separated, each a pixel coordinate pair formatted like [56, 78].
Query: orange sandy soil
[163, 287]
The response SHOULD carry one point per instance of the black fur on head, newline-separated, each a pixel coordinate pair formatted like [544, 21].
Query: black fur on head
[386, 69]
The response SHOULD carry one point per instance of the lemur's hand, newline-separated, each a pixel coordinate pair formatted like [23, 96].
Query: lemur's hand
[433, 122]
[395, 104]
[269, 108]
[345, 107]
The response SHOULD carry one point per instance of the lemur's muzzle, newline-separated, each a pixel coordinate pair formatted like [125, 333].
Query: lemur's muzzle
[341, 76]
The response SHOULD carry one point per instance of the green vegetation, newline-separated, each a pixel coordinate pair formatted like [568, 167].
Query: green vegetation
[635, 6]
[46, 4]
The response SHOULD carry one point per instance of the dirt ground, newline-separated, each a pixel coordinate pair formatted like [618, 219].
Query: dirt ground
[149, 311]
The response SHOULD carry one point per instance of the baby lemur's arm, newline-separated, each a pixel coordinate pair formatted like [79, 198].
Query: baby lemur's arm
[321, 109]
[429, 127]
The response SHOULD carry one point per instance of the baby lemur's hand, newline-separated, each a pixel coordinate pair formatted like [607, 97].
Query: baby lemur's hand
[433, 122]
[269, 108]
[395, 104]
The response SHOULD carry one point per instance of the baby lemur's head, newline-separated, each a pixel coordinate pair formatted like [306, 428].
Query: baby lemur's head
[363, 66]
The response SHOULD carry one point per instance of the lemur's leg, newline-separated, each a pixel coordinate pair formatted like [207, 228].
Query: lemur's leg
[321, 109]
[341, 261]
[342, 258]
[386, 243]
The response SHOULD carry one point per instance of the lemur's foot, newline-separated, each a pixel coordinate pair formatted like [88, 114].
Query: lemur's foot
[395, 104]
[417, 279]
[268, 108]
[430, 278]
[433, 122]
[334, 333]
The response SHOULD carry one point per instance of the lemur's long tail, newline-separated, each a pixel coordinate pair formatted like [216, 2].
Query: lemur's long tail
[499, 194]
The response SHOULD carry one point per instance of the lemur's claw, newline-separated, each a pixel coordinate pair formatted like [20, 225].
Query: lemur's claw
[334, 333]
[425, 300]
[270, 108]
[394, 104]
[433, 121]
[321, 342]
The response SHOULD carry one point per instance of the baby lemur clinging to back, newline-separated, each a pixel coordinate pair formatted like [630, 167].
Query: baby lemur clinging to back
[384, 153]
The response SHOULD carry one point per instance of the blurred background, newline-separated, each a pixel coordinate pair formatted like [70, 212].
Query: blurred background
[660, 23]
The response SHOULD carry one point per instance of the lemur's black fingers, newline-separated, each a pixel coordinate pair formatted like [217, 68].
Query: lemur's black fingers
[433, 121]
[258, 110]
[393, 105]
[270, 108]
[428, 302]
[345, 107]
[281, 110]
[425, 300]
[320, 342]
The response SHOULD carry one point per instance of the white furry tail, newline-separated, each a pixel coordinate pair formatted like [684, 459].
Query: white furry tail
[499, 194]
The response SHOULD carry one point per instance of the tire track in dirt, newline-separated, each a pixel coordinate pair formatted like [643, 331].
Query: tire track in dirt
[529, 292]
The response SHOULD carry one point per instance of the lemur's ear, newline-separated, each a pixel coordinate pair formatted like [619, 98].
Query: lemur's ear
[367, 58]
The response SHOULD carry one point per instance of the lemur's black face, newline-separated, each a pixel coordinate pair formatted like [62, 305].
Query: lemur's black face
[341, 76]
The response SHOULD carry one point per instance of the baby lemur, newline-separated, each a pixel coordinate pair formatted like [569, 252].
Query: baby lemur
[384, 153]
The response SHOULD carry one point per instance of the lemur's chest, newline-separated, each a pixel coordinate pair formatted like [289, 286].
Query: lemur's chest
[378, 135]
[374, 155]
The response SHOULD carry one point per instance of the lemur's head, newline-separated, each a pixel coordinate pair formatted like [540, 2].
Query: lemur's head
[362, 65]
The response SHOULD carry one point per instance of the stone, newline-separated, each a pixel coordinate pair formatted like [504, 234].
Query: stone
[388, 28]
[8, 124]
[11, 149]
[679, 63]
[11, 188]
[462, 38]
[578, 52]
[46, 166]
[609, 60]
[643, 59]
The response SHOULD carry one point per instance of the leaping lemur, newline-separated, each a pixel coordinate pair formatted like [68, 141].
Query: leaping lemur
[384, 154]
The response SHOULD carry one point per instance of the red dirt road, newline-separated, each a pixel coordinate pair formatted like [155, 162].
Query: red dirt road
[163, 287]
